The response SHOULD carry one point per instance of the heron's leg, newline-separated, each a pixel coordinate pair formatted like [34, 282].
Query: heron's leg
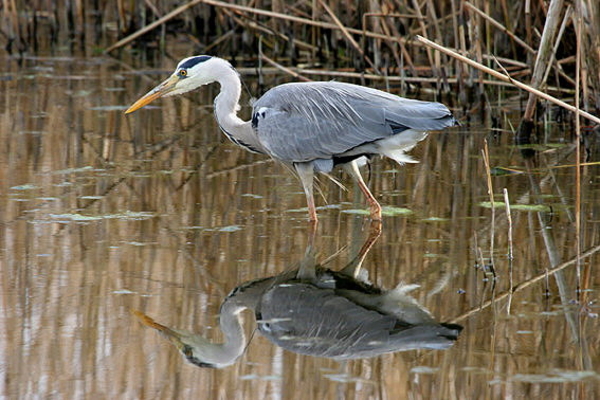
[375, 208]
[306, 174]
[353, 267]
[307, 271]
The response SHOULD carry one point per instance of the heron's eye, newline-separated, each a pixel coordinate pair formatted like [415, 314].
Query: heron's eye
[183, 73]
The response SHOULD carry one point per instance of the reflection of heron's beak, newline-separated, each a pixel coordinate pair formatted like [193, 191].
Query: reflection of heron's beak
[165, 331]
[159, 91]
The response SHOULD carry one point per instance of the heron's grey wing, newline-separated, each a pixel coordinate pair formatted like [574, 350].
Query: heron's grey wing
[300, 122]
[305, 319]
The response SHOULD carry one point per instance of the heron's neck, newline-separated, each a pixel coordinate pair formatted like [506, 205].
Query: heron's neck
[226, 108]
[227, 102]
[231, 325]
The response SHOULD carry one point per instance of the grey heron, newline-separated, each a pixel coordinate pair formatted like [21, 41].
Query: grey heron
[311, 126]
[319, 312]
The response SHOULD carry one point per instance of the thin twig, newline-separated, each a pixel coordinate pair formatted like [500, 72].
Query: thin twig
[347, 35]
[510, 248]
[507, 78]
[500, 27]
[528, 283]
[284, 69]
[153, 25]
[486, 161]
[578, 23]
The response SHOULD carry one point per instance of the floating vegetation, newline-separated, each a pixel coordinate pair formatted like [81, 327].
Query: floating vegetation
[556, 376]
[388, 211]
[127, 215]
[108, 108]
[357, 211]
[424, 370]
[435, 219]
[391, 211]
[325, 207]
[227, 229]
[230, 228]
[123, 291]
[27, 186]
[67, 171]
[517, 207]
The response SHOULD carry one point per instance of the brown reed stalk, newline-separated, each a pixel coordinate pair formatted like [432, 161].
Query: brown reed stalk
[238, 8]
[284, 69]
[347, 35]
[421, 21]
[486, 161]
[578, 23]
[476, 48]
[543, 56]
[566, 20]
[153, 25]
[500, 27]
[506, 78]
[404, 57]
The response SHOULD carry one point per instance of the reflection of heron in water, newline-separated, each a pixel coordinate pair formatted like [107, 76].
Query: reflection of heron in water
[316, 311]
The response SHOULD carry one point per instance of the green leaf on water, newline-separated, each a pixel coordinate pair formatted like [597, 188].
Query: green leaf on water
[127, 216]
[91, 197]
[73, 170]
[556, 376]
[230, 228]
[518, 207]
[388, 211]
[252, 196]
[109, 108]
[75, 217]
[391, 211]
[356, 211]
[27, 186]
[435, 219]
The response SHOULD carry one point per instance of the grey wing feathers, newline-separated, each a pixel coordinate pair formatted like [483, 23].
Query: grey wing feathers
[299, 122]
[305, 319]
[308, 320]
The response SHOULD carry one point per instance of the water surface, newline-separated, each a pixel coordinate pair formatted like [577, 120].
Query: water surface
[104, 213]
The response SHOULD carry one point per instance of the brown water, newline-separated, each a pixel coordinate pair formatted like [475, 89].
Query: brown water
[104, 213]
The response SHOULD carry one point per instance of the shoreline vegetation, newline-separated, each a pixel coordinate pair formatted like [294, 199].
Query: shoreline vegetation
[459, 49]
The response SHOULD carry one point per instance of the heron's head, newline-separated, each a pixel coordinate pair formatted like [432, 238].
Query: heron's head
[196, 349]
[191, 73]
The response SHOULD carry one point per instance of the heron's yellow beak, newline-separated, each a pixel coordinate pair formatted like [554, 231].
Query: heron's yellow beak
[159, 91]
[165, 331]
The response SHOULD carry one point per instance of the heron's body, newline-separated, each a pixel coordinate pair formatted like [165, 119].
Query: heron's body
[319, 312]
[312, 126]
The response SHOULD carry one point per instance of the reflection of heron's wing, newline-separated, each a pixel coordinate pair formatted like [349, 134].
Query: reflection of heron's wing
[305, 319]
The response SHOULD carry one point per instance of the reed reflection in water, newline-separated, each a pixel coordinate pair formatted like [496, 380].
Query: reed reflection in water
[101, 215]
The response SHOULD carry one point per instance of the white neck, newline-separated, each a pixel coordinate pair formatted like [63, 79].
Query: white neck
[227, 106]
[231, 325]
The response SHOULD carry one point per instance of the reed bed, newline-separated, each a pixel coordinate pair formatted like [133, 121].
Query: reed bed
[535, 42]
